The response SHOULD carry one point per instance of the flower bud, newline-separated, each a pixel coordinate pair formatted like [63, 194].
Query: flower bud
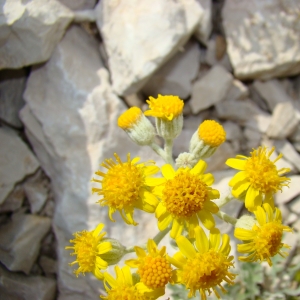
[186, 160]
[113, 256]
[245, 222]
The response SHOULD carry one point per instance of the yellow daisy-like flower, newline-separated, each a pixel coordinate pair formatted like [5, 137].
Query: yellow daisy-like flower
[88, 249]
[263, 241]
[154, 269]
[165, 107]
[212, 133]
[124, 287]
[258, 179]
[205, 267]
[125, 186]
[185, 198]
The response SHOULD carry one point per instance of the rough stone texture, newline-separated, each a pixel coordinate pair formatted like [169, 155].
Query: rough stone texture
[237, 91]
[79, 4]
[284, 121]
[154, 31]
[272, 92]
[295, 206]
[16, 161]
[12, 85]
[49, 265]
[204, 28]
[14, 286]
[262, 37]
[210, 89]
[70, 119]
[260, 122]
[253, 137]
[289, 193]
[30, 31]
[20, 241]
[14, 200]
[175, 77]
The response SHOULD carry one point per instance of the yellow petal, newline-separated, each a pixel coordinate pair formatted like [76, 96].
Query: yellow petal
[135, 160]
[175, 262]
[246, 248]
[98, 229]
[149, 198]
[201, 240]
[199, 168]
[140, 252]
[111, 211]
[133, 263]
[104, 247]
[180, 258]
[160, 210]
[208, 179]
[253, 199]
[168, 171]
[151, 246]
[267, 207]
[100, 263]
[151, 170]
[98, 274]
[260, 216]
[278, 216]
[177, 228]
[270, 200]
[211, 207]
[192, 223]
[235, 163]
[149, 181]
[127, 275]
[225, 247]
[244, 234]
[111, 281]
[164, 221]
[206, 219]
[145, 206]
[238, 177]
[186, 247]
[213, 194]
[214, 238]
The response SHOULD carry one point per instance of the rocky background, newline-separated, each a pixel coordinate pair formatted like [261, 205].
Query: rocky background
[69, 68]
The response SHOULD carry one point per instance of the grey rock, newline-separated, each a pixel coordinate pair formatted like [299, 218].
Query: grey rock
[16, 161]
[30, 31]
[204, 27]
[20, 241]
[14, 200]
[260, 122]
[14, 286]
[253, 138]
[79, 4]
[289, 193]
[12, 85]
[134, 100]
[295, 204]
[154, 32]
[233, 131]
[210, 89]
[254, 31]
[237, 91]
[175, 76]
[48, 264]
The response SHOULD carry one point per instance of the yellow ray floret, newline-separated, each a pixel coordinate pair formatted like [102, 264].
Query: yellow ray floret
[258, 179]
[130, 117]
[123, 287]
[205, 267]
[165, 107]
[263, 241]
[88, 248]
[125, 186]
[185, 199]
[154, 269]
[212, 133]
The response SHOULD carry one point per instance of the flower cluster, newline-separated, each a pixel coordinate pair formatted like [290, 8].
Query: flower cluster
[182, 200]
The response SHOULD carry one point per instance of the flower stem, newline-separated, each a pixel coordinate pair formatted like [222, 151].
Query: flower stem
[169, 151]
[224, 201]
[159, 151]
[223, 216]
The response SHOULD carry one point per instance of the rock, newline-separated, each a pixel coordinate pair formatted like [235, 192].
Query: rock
[154, 32]
[79, 4]
[204, 28]
[272, 92]
[16, 161]
[254, 31]
[175, 77]
[210, 89]
[257, 98]
[260, 122]
[297, 146]
[238, 111]
[295, 205]
[289, 193]
[14, 286]
[71, 148]
[284, 121]
[253, 137]
[134, 100]
[12, 85]
[237, 91]
[233, 131]
[20, 241]
[295, 136]
[14, 200]
[296, 226]
[48, 264]
[36, 190]
[291, 218]
[30, 31]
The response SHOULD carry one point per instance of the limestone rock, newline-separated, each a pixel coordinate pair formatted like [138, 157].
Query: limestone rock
[20, 241]
[175, 76]
[154, 32]
[284, 121]
[14, 200]
[12, 85]
[30, 31]
[233, 131]
[204, 28]
[210, 89]
[14, 286]
[295, 206]
[254, 31]
[272, 92]
[16, 161]
[253, 137]
[48, 264]
[260, 122]
[78, 4]
[289, 193]
[237, 91]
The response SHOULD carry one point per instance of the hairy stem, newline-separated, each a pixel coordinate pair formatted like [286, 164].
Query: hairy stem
[223, 216]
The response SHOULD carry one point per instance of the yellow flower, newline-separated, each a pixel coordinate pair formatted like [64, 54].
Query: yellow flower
[125, 186]
[154, 269]
[185, 198]
[205, 267]
[212, 133]
[258, 179]
[88, 249]
[263, 241]
[165, 107]
[124, 288]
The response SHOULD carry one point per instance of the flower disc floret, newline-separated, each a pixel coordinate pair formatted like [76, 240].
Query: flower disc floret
[130, 117]
[186, 197]
[125, 187]
[166, 107]
[258, 179]
[212, 133]
[264, 240]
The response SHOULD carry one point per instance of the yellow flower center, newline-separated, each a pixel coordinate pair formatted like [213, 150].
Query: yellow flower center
[206, 270]
[155, 272]
[125, 293]
[129, 118]
[85, 247]
[212, 133]
[185, 194]
[262, 172]
[121, 184]
[267, 243]
[165, 107]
